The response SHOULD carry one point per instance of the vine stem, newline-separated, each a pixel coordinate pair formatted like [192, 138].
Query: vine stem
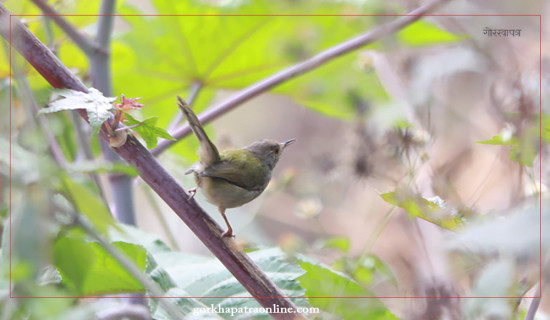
[301, 68]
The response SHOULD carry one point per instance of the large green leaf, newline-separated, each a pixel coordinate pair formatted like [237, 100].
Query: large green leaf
[338, 89]
[89, 204]
[422, 33]
[432, 210]
[336, 293]
[229, 52]
[200, 277]
[341, 243]
[127, 233]
[90, 270]
[174, 52]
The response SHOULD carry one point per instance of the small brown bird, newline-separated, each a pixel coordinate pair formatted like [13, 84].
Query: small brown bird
[233, 177]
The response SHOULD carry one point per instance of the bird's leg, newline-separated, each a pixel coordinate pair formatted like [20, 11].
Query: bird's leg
[191, 193]
[229, 231]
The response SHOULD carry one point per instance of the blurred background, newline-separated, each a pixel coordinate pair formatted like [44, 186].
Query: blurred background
[419, 161]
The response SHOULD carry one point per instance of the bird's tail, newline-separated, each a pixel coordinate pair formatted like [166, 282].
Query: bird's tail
[208, 153]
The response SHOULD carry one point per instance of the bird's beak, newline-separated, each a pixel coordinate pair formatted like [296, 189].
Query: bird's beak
[287, 143]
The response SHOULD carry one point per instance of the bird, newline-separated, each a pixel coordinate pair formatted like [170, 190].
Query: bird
[231, 178]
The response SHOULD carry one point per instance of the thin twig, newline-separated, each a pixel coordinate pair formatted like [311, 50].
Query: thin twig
[87, 45]
[207, 230]
[301, 68]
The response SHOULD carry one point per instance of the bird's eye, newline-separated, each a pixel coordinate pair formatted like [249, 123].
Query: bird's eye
[276, 150]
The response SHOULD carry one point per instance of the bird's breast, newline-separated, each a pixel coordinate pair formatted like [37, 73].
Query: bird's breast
[225, 194]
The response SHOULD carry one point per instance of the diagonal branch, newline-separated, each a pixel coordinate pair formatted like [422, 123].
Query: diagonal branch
[301, 68]
[206, 229]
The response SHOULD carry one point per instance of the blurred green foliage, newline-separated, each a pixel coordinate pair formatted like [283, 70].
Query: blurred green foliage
[524, 144]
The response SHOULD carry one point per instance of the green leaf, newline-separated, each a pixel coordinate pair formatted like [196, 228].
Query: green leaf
[73, 57]
[341, 243]
[371, 270]
[127, 233]
[524, 144]
[357, 89]
[197, 276]
[74, 259]
[433, 210]
[90, 270]
[322, 283]
[98, 107]
[422, 33]
[3, 211]
[545, 124]
[89, 204]
[189, 306]
[527, 147]
[148, 130]
[168, 285]
[501, 140]
[245, 50]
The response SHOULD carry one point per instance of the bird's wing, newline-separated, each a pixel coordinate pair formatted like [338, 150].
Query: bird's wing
[241, 168]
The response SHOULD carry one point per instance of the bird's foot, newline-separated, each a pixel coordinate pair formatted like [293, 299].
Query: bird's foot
[191, 193]
[227, 234]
